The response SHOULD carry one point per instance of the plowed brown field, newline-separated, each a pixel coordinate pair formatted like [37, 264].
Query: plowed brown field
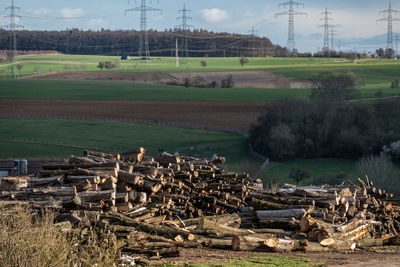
[213, 115]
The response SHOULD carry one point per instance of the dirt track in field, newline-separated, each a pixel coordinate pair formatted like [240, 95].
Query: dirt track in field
[230, 116]
[242, 79]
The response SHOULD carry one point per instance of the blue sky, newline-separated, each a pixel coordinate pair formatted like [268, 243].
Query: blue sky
[357, 19]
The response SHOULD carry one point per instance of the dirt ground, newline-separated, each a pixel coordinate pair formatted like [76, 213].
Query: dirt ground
[229, 116]
[389, 257]
[250, 79]
[106, 76]
[242, 79]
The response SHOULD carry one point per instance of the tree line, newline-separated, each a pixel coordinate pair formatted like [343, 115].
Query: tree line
[329, 124]
[201, 43]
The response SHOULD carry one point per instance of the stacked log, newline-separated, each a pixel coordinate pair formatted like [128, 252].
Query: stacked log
[156, 205]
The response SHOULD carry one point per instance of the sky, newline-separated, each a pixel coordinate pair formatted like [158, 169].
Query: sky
[357, 28]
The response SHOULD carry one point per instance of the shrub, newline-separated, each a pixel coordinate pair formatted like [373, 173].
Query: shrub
[243, 61]
[379, 93]
[393, 150]
[19, 67]
[213, 84]
[37, 69]
[101, 65]
[227, 82]
[308, 129]
[339, 87]
[395, 84]
[30, 238]
[298, 175]
[379, 169]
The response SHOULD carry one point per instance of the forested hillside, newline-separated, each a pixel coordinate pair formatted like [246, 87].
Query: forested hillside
[105, 42]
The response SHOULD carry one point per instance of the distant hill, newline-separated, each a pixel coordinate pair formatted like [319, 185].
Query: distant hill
[105, 42]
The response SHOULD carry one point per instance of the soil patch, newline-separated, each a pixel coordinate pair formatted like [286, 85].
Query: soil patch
[249, 79]
[225, 116]
[242, 79]
[387, 257]
[106, 76]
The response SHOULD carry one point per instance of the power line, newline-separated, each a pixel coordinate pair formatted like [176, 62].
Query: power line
[144, 37]
[332, 36]
[72, 18]
[390, 12]
[185, 28]
[291, 13]
[397, 38]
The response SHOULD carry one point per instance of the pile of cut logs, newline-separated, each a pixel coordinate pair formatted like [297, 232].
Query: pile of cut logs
[156, 205]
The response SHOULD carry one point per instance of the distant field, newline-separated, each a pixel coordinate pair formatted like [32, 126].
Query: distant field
[376, 75]
[372, 71]
[112, 90]
[57, 138]
[43, 138]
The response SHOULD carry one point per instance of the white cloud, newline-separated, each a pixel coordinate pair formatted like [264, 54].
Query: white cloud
[41, 11]
[71, 13]
[214, 15]
[97, 23]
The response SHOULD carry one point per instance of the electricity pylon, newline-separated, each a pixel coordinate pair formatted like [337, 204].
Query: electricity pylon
[253, 33]
[390, 12]
[326, 27]
[291, 45]
[185, 27]
[13, 27]
[143, 8]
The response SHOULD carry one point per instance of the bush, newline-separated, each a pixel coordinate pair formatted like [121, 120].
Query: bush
[393, 150]
[227, 82]
[30, 238]
[243, 61]
[395, 84]
[213, 84]
[300, 128]
[298, 175]
[338, 87]
[101, 65]
[379, 93]
[379, 169]
[19, 67]
[37, 69]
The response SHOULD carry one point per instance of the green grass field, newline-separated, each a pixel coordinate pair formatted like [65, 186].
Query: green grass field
[376, 75]
[36, 139]
[371, 71]
[117, 90]
[57, 138]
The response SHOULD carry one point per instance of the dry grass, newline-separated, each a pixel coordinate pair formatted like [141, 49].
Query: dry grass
[30, 238]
